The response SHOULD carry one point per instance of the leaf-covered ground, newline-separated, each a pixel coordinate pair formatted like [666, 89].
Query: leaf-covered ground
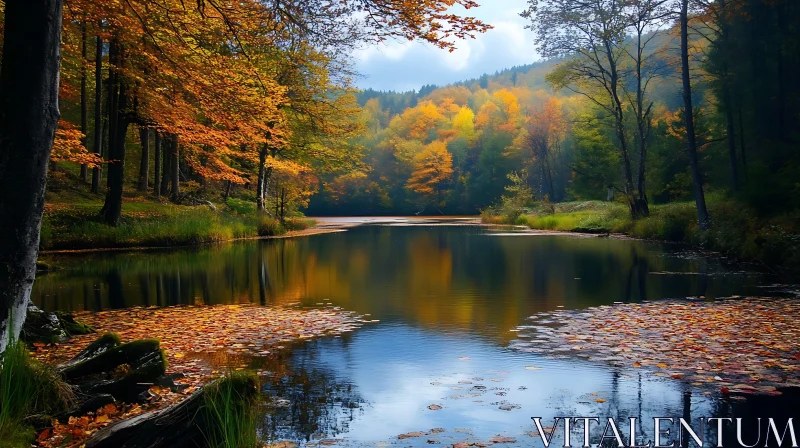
[201, 343]
[734, 346]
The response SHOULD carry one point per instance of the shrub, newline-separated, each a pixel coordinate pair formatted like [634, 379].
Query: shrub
[267, 226]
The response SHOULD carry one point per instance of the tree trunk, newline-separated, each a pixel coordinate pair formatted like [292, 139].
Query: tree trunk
[227, 190]
[262, 158]
[144, 165]
[28, 119]
[642, 128]
[267, 179]
[106, 121]
[98, 111]
[157, 159]
[118, 129]
[175, 193]
[727, 99]
[84, 102]
[691, 142]
[283, 203]
[619, 117]
[734, 165]
[165, 170]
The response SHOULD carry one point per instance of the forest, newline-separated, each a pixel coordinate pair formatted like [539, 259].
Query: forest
[553, 126]
[148, 124]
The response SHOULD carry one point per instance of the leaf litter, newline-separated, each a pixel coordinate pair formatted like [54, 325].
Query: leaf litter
[733, 346]
[201, 343]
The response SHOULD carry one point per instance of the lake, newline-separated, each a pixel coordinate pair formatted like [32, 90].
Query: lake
[446, 296]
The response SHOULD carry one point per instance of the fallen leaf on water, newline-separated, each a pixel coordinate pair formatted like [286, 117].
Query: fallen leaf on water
[409, 435]
[600, 400]
[434, 407]
[502, 439]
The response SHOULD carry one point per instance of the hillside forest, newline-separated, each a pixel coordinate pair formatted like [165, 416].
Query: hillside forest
[282, 130]
[564, 131]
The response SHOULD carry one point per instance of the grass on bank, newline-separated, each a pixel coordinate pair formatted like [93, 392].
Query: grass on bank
[30, 392]
[231, 411]
[736, 230]
[72, 221]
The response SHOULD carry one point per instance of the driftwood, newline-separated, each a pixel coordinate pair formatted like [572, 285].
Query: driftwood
[185, 424]
[108, 370]
[123, 371]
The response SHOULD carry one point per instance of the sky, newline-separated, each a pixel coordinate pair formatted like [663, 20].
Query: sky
[403, 65]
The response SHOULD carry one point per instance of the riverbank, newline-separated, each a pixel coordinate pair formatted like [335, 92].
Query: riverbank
[736, 231]
[71, 222]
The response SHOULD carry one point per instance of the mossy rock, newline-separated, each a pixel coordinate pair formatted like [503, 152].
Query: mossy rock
[49, 328]
[41, 326]
[71, 326]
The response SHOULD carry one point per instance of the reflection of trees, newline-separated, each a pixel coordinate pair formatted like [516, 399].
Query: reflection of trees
[780, 408]
[431, 276]
[308, 403]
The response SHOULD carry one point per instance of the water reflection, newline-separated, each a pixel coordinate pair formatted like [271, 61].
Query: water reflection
[378, 384]
[446, 298]
[453, 278]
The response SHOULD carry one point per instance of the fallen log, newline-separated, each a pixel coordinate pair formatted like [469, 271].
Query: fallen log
[107, 367]
[193, 422]
[101, 345]
[142, 354]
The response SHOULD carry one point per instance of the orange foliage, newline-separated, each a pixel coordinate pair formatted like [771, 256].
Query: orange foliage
[432, 166]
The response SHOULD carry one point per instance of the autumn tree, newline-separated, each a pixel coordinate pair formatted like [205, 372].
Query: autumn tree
[432, 167]
[590, 35]
[688, 114]
[541, 138]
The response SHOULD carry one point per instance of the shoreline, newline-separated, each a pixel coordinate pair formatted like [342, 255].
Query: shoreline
[291, 234]
[324, 225]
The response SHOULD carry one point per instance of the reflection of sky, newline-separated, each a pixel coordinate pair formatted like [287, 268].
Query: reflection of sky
[400, 370]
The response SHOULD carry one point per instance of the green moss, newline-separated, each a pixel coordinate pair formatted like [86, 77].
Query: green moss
[71, 326]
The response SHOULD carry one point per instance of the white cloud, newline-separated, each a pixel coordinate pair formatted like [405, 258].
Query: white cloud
[408, 65]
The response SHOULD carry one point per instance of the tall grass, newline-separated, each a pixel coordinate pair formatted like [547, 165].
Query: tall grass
[230, 412]
[29, 391]
[155, 224]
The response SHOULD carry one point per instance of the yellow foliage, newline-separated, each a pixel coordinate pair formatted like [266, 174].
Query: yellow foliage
[432, 166]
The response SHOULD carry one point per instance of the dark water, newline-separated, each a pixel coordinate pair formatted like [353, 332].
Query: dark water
[447, 298]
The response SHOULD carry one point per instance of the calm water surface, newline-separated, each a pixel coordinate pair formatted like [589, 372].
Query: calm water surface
[447, 297]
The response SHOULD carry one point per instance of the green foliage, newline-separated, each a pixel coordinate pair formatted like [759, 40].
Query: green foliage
[241, 206]
[294, 224]
[27, 388]
[520, 195]
[267, 226]
[736, 229]
[148, 224]
[230, 411]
